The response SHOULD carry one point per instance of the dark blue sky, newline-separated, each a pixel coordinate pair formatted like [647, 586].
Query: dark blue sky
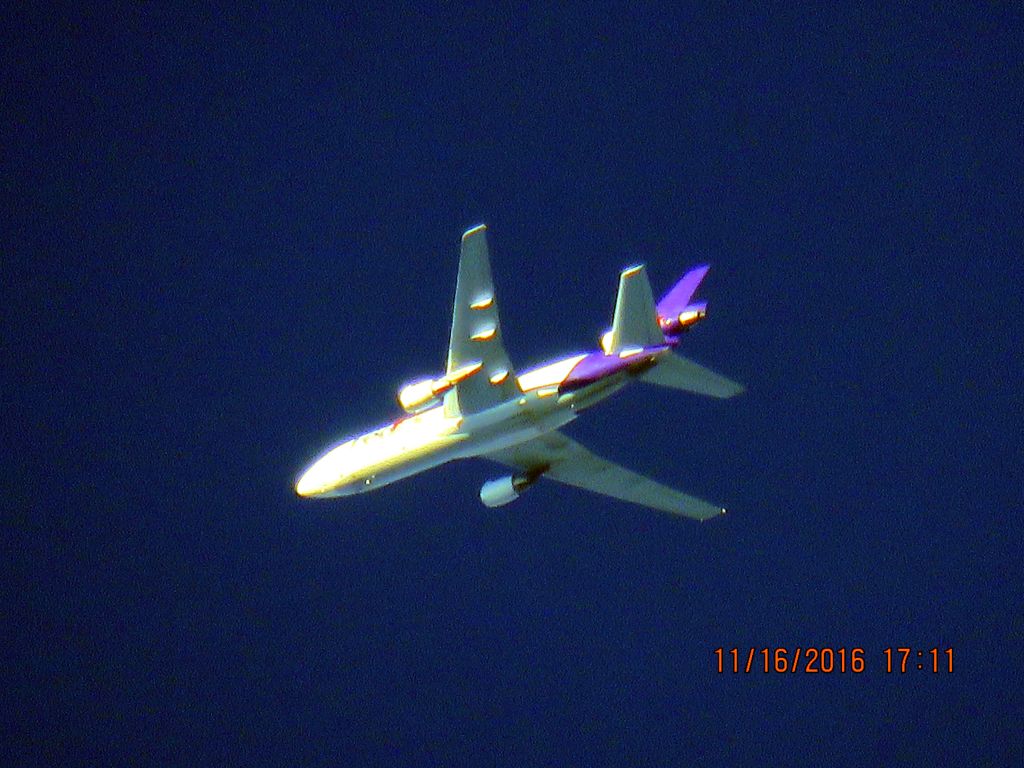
[228, 238]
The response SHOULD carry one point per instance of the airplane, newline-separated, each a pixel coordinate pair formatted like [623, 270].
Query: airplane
[481, 408]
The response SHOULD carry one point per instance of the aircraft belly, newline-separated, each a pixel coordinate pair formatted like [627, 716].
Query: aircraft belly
[591, 394]
[407, 460]
[481, 406]
[514, 423]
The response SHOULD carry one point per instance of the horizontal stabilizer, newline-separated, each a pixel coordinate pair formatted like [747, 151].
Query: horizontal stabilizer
[677, 372]
[636, 320]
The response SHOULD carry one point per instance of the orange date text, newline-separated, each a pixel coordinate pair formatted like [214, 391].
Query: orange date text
[814, 660]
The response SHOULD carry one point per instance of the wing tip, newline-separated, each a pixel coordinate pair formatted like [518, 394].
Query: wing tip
[734, 390]
[473, 230]
[720, 513]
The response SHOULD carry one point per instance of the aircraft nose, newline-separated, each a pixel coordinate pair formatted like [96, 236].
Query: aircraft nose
[307, 485]
[323, 476]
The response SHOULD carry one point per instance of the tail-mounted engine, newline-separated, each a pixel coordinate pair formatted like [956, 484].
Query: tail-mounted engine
[676, 324]
[497, 493]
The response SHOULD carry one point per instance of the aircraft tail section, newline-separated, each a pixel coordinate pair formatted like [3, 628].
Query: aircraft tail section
[676, 372]
[677, 312]
[636, 318]
[678, 297]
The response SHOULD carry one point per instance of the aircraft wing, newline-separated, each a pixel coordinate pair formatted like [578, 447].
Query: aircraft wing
[566, 461]
[476, 333]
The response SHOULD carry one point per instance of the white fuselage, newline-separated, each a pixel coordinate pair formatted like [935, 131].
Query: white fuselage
[433, 437]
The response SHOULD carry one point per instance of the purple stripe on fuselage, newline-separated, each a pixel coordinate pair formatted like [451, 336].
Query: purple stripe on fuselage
[598, 365]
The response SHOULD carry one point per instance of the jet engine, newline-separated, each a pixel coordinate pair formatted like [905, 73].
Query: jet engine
[497, 493]
[426, 393]
[676, 324]
[420, 395]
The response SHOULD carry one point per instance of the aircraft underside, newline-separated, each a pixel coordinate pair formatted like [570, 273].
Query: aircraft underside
[480, 408]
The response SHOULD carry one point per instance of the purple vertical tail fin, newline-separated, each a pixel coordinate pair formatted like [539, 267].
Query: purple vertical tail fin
[676, 313]
[678, 298]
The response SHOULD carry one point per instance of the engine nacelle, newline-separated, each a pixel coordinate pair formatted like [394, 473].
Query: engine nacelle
[497, 493]
[677, 324]
[419, 396]
[426, 393]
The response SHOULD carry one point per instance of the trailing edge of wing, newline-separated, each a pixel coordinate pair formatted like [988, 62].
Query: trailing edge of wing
[568, 462]
[476, 331]
[676, 372]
